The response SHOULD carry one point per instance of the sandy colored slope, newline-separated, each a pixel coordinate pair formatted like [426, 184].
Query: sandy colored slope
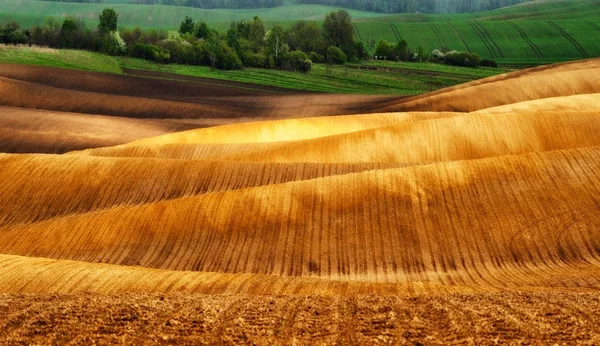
[566, 80]
[37, 188]
[288, 129]
[475, 223]
[443, 139]
[581, 103]
[30, 275]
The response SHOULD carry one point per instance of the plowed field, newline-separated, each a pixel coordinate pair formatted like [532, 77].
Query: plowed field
[469, 215]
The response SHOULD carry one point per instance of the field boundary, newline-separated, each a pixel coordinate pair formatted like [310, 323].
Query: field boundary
[569, 38]
[533, 46]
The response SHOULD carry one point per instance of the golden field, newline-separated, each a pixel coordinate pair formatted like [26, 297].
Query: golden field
[477, 206]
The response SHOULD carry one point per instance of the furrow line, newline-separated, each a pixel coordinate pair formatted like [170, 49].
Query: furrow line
[461, 37]
[490, 37]
[483, 39]
[526, 39]
[437, 34]
[570, 39]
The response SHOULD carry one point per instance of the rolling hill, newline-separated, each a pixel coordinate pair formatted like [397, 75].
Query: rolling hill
[470, 213]
[531, 33]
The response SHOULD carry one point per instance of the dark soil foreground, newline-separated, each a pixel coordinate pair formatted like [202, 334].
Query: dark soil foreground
[495, 318]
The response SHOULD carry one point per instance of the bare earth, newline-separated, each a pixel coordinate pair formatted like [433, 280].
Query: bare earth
[476, 319]
[469, 215]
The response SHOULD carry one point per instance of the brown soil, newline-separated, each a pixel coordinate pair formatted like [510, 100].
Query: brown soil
[542, 318]
[196, 102]
[402, 228]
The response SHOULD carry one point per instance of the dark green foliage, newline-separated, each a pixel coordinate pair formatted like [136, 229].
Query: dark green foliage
[11, 33]
[488, 63]
[202, 30]
[307, 37]
[108, 21]
[361, 52]
[187, 26]
[316, 57]
[335, 56]
[339, 32]
[462, 59]
[220, 55]
[400, 51]
[383, 50]
[276, 45]
[297, 61]
[113, 44]
[150, 52]
[251, 59]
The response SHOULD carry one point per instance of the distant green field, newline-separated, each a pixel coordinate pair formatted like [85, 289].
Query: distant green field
[527, 34]
[373, 78]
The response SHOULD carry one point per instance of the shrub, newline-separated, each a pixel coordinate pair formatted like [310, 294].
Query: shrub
[383, 50]
[297, 61]
[251, 59]
[316, 58]
[227, 58]
[335, 56]
[113, 44]
[150, 52]
[462, 59]
[488, 63]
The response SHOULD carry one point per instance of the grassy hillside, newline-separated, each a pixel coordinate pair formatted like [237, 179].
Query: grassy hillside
[529, 34]
[374, 78]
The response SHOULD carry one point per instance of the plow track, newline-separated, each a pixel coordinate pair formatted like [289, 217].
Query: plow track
[468, 219]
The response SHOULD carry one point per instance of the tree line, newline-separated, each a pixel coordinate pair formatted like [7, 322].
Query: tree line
[245, 44]
[413, 6]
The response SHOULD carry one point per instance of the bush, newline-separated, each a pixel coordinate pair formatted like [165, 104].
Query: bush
[316, 58]
[227, 58]
[150, 52]
[335, 56]
[297, 61]
[113, 44]
[462, 59]
[251, 59]
[488, 63]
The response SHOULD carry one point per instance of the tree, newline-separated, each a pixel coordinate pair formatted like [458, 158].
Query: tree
[67, 33]
[335, 56]
[400, 51]
[108, 21]
[276, 45]
[338, 30]
[383, 50]
[202, 30]
[187, 26]
[257, 32]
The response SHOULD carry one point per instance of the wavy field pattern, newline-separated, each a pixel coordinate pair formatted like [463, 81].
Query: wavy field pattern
[487, 188]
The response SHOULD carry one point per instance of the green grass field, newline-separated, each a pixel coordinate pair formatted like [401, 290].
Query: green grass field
[74, 59]
[374, 78]
[527, 34]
